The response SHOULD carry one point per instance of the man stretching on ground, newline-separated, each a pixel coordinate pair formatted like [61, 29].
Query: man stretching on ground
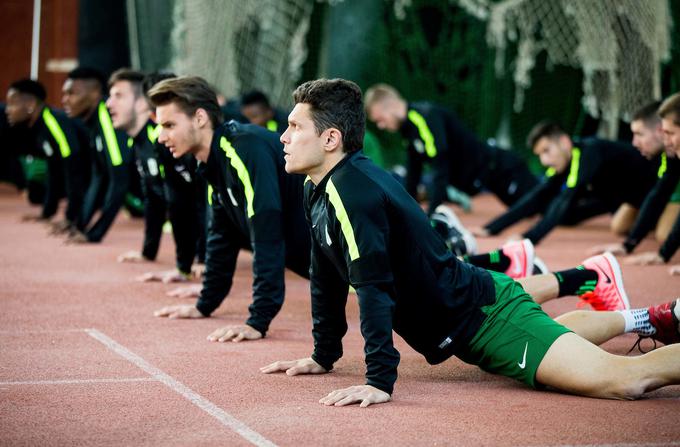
[369, 233]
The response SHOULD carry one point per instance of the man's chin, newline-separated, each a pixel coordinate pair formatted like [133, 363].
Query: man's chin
[178, 153]
[290, 169]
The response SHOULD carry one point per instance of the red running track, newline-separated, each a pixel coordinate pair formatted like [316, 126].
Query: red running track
[84, 362]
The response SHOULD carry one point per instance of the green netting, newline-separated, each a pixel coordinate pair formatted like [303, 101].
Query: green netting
[436, 50]
[428, 49]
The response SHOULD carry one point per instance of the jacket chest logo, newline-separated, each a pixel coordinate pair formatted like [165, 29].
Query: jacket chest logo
[47, 148]
[231, 196]
[419, 145]
[329, 241]
[152, 165]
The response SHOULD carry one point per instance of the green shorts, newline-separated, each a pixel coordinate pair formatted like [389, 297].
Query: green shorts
[675, 198]
[514, 336]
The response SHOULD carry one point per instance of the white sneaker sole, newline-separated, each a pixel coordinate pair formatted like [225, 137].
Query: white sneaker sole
[470, 241]
[618, 277]
[530, 255]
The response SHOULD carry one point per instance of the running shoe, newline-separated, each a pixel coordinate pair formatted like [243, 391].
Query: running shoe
[609, 293]
[539, 266]
[459, 240]
[664, 320]
[521, 254]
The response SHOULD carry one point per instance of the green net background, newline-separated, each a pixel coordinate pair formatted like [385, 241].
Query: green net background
[436, 51]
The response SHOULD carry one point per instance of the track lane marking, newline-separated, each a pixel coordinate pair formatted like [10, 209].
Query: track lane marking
[204, 404]
[79, 381]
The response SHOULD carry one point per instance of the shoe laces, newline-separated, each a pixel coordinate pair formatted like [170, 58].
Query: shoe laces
[638, 344]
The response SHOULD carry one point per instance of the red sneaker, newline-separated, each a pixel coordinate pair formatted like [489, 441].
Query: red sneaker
[609, 293]
[521, 254]
[662, 317]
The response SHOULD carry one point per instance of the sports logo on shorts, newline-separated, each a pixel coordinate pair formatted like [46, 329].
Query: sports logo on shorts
[523, 363]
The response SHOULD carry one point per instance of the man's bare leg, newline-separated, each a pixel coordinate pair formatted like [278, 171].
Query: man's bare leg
[541, 288]
[623, 219]
[575, 365]
[596, 327]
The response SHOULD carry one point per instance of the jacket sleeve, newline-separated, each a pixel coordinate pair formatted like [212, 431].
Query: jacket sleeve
[365, 245]
[528, 205]
[264, 211]
[329, 298]
[439, 163]
[91, 195]
[183, 209]
[73, 174]
[672, 242]
[54, 186]
[414, 170]
[75, 185]
[653, 207]
[578, 179]
[556, 211]
[154, 219]
[222, 249]
[117, 187]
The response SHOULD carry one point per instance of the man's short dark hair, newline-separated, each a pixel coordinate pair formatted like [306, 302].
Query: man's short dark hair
[255, 97]
[189, 93]
[671, 106]
[546, 128]
[134, 77]
[335, 103]
[154, 78]
[89, 74]
[649, 114]
[30, 87]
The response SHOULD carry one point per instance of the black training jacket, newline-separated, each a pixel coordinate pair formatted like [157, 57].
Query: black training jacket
[455, 155]
[67, 172]
[169, 190]
[111, 160]
[608, 171]
[655, 202]
[367, 231]
[258, 206]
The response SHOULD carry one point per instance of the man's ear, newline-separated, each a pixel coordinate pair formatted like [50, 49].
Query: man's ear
[201, 117]
[332, 139]
[565, 142]
[95, 95]
[32, 104]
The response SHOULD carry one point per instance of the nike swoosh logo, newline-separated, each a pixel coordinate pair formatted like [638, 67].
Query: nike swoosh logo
[606, 277]
[523, 363]
[518, 266]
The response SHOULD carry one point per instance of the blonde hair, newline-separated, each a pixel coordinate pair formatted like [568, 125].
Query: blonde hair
[671, 106]
[379, 92]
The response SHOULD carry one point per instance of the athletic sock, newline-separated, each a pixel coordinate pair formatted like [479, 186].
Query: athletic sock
[576, 281]
[495, 261]
[676, 309]
[637, 320]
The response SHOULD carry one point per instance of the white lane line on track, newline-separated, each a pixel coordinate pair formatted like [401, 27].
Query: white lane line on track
[79, 381]
[204, 404]
[42, 331]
